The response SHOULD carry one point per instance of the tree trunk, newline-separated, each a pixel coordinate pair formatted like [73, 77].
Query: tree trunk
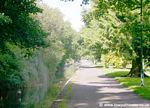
[136, 68]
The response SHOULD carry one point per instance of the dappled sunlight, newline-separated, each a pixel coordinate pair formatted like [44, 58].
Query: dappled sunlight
[91, 87]
[81, 104]
[134, 87]
[113, 90]
[107, 99]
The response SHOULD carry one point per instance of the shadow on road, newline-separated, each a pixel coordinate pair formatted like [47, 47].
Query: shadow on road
[92, 89]
[90, 67]
[96, 94]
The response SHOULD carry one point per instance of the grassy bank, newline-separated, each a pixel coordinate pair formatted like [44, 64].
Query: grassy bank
[132, 83]
[49, 97]
[56, 88]
[68, 90]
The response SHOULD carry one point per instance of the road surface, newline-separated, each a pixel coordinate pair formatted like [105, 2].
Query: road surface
[92, 89]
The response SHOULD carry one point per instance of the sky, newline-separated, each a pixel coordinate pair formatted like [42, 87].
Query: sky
[71, 10]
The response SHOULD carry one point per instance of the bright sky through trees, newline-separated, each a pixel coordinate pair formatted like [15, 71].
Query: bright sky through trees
[71, 10]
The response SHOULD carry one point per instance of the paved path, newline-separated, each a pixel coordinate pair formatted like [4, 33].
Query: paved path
[92, 89]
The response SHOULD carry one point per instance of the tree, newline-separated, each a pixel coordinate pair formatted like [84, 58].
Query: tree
[127, 12]
[19, 28]
[105, 36]
[35, 40]
[62, 39]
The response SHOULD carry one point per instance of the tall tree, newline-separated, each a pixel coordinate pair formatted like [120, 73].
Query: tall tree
[127, 12]
[104, 34]
[17, 27]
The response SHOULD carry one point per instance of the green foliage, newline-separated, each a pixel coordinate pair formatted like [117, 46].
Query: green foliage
[28, 33]
[119, 28]
[34, 49]
[103, 36]
[9, 76]
[4, 19]
[132, 24]
[51, 95]
[114, 60]
[23, 29]
[19, 31]
[63, 40]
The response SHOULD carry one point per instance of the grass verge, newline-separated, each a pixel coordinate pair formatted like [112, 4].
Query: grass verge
[49, 97]
[63, 103]
[55, 89]
[132, 83]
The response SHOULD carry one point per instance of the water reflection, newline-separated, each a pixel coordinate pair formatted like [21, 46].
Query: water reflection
[10, 99]
[27, 98]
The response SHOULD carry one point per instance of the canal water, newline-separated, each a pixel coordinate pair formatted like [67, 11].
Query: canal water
[27, 98]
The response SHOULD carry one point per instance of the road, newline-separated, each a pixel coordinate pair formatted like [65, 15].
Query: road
[92, 89]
